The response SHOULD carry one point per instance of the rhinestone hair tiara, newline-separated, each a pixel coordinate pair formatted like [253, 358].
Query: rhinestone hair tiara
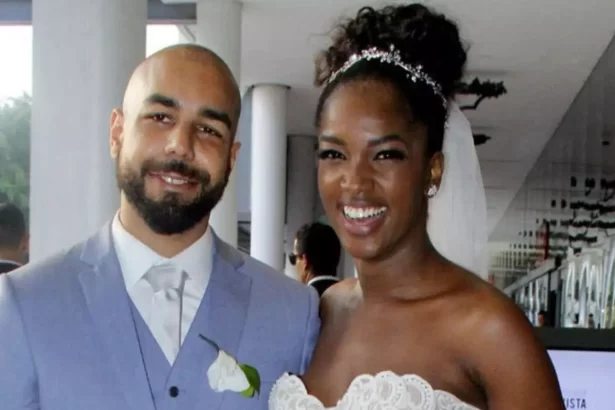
[413, 72]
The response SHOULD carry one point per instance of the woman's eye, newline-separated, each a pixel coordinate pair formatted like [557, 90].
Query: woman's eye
[329, 154]
[391, 154]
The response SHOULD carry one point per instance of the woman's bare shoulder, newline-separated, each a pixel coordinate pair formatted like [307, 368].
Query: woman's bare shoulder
[491, 324]
[476, 312]
[338, 297]
[477, 303]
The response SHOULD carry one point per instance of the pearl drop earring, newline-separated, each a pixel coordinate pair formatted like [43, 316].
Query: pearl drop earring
[433, 190]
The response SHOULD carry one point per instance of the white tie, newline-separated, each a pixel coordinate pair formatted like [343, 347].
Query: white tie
[167, 282]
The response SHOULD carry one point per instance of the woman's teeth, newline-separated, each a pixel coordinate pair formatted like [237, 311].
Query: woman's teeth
[362, 213]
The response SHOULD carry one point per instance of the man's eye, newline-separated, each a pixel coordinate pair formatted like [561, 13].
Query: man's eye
[209, 130]
[159, 117]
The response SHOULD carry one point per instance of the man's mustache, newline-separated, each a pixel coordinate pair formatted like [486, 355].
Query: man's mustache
[178, 167]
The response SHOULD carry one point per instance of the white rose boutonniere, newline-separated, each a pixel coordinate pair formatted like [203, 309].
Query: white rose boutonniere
[226, 373]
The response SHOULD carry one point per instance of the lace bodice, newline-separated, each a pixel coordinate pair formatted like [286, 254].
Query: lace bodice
[386, 391]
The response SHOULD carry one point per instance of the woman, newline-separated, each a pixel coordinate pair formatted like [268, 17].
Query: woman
[415, 331]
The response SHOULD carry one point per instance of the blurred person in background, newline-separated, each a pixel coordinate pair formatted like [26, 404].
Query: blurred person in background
[316, 254]
[13, 237]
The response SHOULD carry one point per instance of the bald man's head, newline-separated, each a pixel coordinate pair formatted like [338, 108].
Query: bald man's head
[166, 60]
[174, 139]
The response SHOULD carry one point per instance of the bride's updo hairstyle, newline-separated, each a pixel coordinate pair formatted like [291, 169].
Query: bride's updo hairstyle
[412, 47]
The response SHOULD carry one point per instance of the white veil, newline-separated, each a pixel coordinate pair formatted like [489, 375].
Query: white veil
[457, 223]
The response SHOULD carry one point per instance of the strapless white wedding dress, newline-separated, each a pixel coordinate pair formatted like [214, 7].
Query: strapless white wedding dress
[385, 391]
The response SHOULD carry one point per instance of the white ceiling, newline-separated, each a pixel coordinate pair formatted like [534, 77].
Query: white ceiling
[543, 50]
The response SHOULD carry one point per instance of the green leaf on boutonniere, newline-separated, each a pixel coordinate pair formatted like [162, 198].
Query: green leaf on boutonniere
[249, 393]
[253, 378]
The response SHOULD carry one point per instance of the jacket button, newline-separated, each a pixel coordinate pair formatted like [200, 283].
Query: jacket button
[173, 391]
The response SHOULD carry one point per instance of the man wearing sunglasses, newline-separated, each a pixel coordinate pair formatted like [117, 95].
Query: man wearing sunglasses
[316, 254]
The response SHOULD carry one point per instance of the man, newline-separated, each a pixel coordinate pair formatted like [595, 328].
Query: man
[13, 237]
[316, 254]
[591, 323]
[132, 319]
[542, 319]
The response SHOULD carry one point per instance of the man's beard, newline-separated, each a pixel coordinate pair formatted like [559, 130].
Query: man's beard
[170, 214]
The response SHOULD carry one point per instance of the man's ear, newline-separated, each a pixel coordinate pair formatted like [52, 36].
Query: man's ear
[234, 152]
[24, 247]
[116, 132]
[308, 265]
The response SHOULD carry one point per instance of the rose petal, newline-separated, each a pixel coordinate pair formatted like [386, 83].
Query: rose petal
[225, 374]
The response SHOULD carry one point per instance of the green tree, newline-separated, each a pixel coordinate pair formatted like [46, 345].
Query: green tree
[15, 151]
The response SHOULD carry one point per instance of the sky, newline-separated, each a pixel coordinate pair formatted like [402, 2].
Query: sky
[16, 52]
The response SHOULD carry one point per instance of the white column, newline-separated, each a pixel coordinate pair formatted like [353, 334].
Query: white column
[83, 56]
[219, 29]
[301, 189]
[268, 174]
[348, 268]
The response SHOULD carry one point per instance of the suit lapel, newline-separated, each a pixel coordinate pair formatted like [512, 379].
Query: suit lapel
[220, 318]
[109, 306]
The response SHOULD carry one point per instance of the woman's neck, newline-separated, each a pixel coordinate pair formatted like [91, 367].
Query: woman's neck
[406, 273]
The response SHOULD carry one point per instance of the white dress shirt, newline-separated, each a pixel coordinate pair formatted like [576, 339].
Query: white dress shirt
[323, 277]
[136, 259]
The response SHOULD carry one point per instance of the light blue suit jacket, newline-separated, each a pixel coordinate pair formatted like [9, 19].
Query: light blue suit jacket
[68, 338]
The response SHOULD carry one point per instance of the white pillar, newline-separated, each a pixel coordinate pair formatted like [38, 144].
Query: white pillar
[348, 268]
[268, 174]
[301, 189]
[83, 56]
[219, 29]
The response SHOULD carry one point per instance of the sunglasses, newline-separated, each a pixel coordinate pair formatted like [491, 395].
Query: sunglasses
[292, 258]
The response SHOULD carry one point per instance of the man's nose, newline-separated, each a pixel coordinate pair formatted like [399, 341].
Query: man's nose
[180, 142]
